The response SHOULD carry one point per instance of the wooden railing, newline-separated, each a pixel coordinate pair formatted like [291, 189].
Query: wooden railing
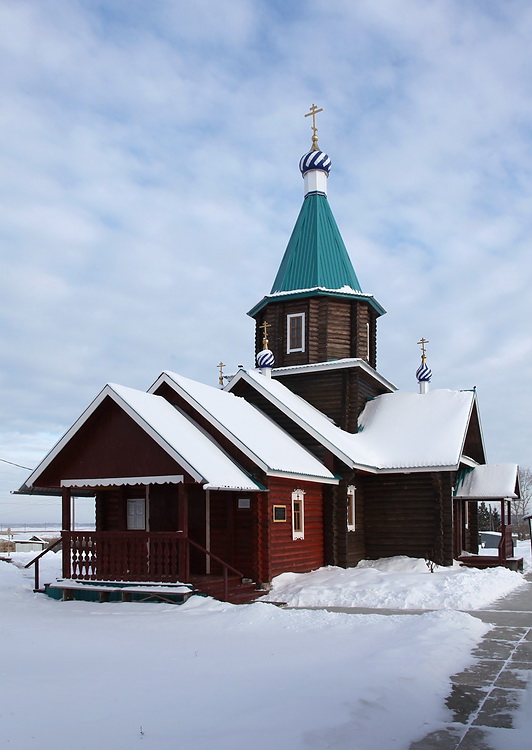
[36, 560]
[506, 544]
[133, 556]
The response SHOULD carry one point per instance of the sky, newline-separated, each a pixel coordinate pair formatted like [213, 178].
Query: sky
[149, 184]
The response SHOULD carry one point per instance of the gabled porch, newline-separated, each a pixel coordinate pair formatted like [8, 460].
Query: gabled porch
[487, 483]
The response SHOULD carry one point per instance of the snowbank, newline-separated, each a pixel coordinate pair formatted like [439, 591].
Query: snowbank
[395, 583]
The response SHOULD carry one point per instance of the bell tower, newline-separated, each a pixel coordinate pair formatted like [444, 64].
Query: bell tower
[316, 310]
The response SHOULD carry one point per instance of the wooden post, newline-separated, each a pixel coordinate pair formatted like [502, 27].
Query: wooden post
[182, 519]
[66, 494]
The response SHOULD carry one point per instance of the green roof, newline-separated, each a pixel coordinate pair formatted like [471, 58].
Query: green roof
[316, 255]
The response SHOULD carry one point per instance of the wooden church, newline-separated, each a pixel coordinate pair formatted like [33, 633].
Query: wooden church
[313, 458]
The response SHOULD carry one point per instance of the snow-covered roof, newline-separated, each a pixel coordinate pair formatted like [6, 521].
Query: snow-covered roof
[488, 482]
[397, 431]
[188, 445]
[255, 434]
[414, 430]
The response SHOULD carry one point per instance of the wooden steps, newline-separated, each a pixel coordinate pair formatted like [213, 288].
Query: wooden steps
[240, 591]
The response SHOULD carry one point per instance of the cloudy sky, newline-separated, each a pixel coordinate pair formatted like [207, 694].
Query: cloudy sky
[149, 185]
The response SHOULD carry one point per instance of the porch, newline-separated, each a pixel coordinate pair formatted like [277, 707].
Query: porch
[145, 564]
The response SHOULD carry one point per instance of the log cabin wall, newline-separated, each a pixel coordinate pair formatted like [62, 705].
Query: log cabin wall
[341, 394]
[163, 507]
[343, 547]
[335, 328]
[109, 444]
[285, 552]
[110, 510]
[408, 514]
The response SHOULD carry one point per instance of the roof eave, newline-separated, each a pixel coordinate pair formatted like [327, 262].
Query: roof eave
[316, 292]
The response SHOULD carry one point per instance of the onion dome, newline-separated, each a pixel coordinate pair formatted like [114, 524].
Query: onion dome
[423, 373]
[315, 160]
[265, 358]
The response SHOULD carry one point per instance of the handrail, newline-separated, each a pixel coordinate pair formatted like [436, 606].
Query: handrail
[35, 560]
[225, 565]
[215, 557]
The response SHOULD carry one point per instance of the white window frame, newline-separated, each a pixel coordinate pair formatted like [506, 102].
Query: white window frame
[298, 496]
[136, 517]
[289, 347]
[351, 511]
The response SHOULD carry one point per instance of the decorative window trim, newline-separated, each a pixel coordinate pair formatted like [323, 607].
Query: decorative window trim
[290, 345]
[351, 509]
[279, 513]
[298, 514]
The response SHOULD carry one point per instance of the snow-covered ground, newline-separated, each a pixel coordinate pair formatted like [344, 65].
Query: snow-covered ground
[398, 583]
[209, 675]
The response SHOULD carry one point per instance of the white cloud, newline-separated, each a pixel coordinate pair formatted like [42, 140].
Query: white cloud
[149, 185]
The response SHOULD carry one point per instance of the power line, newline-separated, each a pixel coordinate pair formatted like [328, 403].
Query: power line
[14, 464]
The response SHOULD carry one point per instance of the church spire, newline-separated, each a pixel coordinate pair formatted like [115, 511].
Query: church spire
[316, 307]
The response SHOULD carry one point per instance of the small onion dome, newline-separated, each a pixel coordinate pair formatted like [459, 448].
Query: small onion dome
[315, 160]
[423, 373]
[265, 358]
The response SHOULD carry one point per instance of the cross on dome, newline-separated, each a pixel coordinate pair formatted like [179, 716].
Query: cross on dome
[423, 341]
[314, 111]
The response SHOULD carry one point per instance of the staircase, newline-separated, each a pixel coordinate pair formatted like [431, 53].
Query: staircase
[240, 591]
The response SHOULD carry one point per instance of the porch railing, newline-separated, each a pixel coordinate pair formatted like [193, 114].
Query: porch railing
[133, 556]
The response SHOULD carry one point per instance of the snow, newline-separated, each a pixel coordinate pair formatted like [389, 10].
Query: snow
[254, 433]
[395, 583]
[489, 482]
[408, 430]
[207, 674]
[181, 439]
[396, 430]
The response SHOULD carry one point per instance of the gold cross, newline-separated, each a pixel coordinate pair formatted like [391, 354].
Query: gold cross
[221, 366]
[265, 327]
[314, 111]
[423, 342]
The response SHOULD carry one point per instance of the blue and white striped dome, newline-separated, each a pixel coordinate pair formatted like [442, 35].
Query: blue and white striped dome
[265, 358]
[315, 160]
[423, 373]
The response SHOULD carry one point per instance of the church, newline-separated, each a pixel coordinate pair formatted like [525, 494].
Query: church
[312, 458]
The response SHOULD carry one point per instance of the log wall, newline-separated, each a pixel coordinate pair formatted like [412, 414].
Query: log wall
[335, 328]
[408, 514]
[286, 553]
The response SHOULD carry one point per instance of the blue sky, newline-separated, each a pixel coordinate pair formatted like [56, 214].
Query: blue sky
[149, 185]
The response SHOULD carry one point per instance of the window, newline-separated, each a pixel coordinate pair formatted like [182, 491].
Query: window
[351, 508]
[244, 503]
[279, 513]
[295, 333]
[298, 515]
[136, 513]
